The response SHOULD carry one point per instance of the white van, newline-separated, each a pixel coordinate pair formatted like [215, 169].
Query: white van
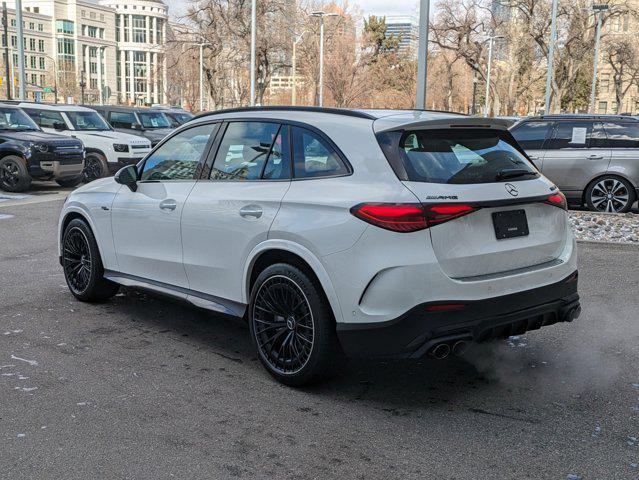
[106, 150]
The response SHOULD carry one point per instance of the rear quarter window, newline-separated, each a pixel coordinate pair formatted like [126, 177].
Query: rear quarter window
[461, 156]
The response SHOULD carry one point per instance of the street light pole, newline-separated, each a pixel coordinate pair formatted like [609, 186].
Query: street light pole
[422, 55]
[598, 9]
[253, 46]
[20, 26]
[321, 16]
[201, 77]
[551, 56]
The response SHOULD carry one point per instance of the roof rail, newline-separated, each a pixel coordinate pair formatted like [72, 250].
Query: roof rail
[292, 108]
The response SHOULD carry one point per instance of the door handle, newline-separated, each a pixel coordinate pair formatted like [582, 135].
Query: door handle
[595, 157]
[254, 211]
[168, 205]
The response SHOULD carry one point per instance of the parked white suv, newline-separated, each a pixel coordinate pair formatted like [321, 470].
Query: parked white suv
[106, 150]
[376, 233]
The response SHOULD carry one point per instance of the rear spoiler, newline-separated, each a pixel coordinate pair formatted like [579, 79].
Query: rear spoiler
[394, 123]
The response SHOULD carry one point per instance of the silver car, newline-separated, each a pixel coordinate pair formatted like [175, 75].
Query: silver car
[593, 159]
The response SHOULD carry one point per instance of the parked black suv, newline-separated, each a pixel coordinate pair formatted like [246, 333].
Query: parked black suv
[27, 153]
[145, 122]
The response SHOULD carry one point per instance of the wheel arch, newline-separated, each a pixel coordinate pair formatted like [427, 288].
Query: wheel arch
[70, 214]
[276, 251]
[95, 150]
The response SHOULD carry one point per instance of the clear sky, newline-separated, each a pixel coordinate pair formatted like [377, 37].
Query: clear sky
[374, 7]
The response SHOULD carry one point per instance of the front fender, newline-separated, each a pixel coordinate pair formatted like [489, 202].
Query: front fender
[309, 257]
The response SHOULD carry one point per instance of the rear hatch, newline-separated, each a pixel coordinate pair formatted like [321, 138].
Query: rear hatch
[476, 163]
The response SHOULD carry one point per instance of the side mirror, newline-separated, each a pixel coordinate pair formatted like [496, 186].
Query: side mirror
[59, 126]
[127, 176]
[136, 126]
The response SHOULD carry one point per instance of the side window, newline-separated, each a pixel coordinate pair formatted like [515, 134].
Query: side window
[48, 119]
[243, 151]
[571, 135]
[531, 135]
[178, 158]
[122, 119]
[278, 165]
[314, 157]
[34, 114]
[622, 135]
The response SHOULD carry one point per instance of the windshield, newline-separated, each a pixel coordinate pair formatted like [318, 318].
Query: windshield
[154, 120]
[15, 119]
[87, 121]
[462, 156]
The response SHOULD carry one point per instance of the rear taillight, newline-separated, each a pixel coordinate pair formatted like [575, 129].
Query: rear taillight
[557, 199]
[409, 217]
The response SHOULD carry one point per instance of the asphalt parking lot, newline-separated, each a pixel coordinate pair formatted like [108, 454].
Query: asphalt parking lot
[145, 388]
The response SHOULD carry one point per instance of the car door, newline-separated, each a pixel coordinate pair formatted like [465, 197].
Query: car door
[574, 154]
[231, 211]
[146, 222]
[532, 135]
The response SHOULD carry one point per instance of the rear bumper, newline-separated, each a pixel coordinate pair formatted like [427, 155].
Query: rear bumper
[416, 331]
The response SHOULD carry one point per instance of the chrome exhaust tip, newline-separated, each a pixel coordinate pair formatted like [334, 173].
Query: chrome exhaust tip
[460, 347]
[440, 351]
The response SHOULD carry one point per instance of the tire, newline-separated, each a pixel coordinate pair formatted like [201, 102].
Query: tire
[14, 176]
[82, 265]
[296, 344]
[95, 166]
[70, 181]
[610, 194]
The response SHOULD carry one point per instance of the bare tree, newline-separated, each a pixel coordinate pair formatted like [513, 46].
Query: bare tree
[621, 55]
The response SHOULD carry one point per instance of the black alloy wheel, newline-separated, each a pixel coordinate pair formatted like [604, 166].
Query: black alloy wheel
[14, 176]
[77, 260]
[283, 324]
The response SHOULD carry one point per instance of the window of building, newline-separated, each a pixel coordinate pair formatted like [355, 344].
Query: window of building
[40, 45]
[66, 53]
[34, 79]
[32, 62]
[159, 22]
[32, 44]
[31, 26]
[139, 29]
[40, 27]
[65, 27]
[126, 28]
[602, 108]
[42, 63]
[92, 15]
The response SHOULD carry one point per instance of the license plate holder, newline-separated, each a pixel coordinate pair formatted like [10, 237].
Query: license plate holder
[510, 224]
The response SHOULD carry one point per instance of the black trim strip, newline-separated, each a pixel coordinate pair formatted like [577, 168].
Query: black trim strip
[218, 304]
[290, 108]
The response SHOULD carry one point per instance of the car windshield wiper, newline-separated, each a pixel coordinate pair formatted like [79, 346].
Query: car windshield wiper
[514, 173]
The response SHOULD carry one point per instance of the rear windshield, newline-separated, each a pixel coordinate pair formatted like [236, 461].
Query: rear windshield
[460, 156]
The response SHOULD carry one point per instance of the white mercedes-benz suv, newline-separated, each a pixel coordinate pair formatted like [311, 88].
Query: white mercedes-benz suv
[106, 150]
[375, 233]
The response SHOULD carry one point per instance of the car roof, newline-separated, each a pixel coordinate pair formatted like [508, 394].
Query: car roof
[121, 108]
[54, 106]
[383, 119]
[580, 116]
